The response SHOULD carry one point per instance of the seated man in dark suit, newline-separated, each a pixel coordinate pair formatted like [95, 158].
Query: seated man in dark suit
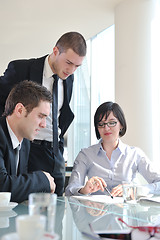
[26, 109]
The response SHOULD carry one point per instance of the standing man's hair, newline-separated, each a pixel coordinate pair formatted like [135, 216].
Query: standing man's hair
[29, 94]
[74, 41]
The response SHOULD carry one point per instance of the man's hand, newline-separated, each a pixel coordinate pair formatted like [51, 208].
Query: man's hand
[51, 181]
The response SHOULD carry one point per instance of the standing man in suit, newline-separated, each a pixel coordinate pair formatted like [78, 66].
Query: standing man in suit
[67, 56]
[26, 109]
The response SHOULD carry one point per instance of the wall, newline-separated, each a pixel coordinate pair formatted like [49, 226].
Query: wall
[133, 22]
[30, 28]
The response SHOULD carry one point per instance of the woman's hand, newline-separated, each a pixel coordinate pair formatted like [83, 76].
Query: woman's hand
[93, 185]
[117, 191]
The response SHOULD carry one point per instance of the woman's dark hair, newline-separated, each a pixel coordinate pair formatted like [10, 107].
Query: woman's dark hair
[104, 110]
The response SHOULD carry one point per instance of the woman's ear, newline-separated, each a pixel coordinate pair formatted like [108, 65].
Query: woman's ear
[120, 131]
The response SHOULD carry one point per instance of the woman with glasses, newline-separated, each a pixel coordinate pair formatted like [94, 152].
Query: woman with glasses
[110, 162]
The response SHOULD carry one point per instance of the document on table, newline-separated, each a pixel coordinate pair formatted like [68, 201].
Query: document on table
[101, 199]
[155, 199]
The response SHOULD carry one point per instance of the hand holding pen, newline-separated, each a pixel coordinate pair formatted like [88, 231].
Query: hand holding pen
[93, 185]
[104, 185]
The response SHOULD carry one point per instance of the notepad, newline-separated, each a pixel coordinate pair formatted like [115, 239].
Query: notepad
[154, 199]
[101, 198]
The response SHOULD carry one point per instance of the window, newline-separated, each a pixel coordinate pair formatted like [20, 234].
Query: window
[93, 85]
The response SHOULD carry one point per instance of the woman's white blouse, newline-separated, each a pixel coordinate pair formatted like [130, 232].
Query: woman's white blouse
[125, 163]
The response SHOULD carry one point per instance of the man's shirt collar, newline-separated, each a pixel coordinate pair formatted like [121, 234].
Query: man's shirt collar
[14, 139]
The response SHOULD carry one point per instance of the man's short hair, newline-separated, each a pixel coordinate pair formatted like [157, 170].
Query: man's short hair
[74, 41]
[28, 93]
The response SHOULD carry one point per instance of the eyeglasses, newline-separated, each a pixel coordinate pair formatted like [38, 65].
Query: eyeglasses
[109, 124]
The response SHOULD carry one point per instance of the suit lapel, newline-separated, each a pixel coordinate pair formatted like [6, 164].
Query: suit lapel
[10, 147]
[13, 163]
[68, 85]
[36, 69]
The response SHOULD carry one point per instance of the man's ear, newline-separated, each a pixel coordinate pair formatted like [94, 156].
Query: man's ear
[55, 51]
[19, 109]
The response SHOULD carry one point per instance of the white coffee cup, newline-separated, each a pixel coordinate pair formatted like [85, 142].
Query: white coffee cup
[30, 227]
[5, 198]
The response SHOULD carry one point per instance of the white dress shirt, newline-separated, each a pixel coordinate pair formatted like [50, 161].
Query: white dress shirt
[47, 133]
[15, 142]
[125, 162]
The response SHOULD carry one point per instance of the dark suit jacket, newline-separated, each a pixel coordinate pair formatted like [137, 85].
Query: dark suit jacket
[32, 69]
[25, 183]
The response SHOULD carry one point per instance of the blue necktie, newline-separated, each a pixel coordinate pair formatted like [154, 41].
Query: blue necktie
[55, 113]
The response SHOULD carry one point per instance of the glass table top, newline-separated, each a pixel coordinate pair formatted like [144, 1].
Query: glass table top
[74, 216]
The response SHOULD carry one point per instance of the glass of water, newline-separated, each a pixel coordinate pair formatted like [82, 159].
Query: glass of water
[44, 203]
[128, 192]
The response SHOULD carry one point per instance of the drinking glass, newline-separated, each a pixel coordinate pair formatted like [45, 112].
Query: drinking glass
[44, 203]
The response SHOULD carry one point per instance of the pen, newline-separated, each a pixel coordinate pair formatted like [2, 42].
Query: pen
[108, 192]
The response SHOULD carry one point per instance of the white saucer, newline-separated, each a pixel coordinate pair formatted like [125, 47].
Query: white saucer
[4, 218]
[9, 207]
[14, 236]
[8, 214]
